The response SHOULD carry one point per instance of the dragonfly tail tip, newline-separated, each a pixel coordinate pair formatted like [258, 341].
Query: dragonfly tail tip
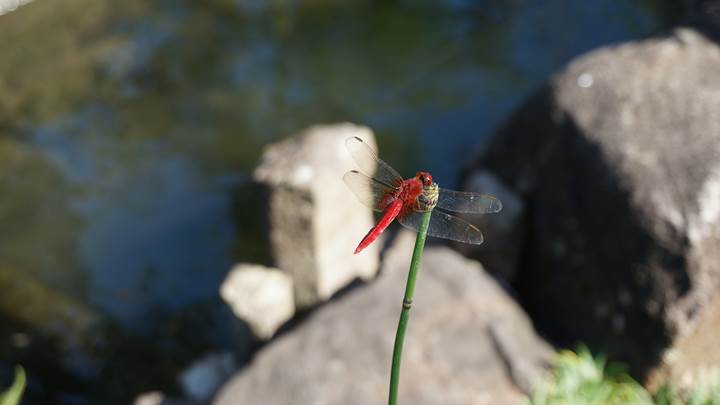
[359, 249]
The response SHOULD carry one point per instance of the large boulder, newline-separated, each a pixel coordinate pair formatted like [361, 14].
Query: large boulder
[500, 251]
[315, 220]
[468, 342]
[694, 360]
[618, 161]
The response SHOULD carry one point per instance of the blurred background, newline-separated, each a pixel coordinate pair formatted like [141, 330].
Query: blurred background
[127, 129]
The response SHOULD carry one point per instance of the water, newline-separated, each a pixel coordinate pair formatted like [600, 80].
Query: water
[126, 130]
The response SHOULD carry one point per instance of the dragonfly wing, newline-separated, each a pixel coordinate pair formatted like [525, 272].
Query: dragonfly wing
[445, 226]
[467, 202]
[370, 163]
[368, 191]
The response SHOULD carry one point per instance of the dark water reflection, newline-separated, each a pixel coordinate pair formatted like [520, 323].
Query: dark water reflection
[126, 128]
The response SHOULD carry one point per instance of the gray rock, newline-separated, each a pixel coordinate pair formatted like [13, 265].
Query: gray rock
[465, 342]
[262, 297]
[619, 163]
[159, 398]
[203, 377]
[150, 398]
[693, 359]
[315, 221]
[7, 6]
[501, 249]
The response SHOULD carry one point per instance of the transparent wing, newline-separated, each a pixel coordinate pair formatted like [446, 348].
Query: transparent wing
[367, 160]
[467, 202]
[367, 190]
[446, 226]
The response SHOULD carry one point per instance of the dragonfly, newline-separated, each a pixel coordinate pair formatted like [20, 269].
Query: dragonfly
[380, 187]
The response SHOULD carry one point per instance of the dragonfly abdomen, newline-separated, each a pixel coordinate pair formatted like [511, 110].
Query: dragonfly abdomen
[390, 214]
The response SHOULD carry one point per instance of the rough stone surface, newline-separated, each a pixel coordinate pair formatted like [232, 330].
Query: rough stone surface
[315, 221]
[150, 398]
[692, 357]
[466, 342]
[501, 249]
[202, 378]
[618, 161]
[7, 6]
[262, 297]
[158, 398]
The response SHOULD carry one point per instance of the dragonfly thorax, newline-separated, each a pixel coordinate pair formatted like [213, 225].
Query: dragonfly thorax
[427, 200]
[428, 195]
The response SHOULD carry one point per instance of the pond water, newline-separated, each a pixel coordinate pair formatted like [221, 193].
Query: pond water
[127, 129]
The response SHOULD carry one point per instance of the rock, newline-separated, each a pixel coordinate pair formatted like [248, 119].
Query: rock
[459, 348]
[693, 356]
[501, 250]
[204, 376]
[7, 6]
[158, 398]
[315, 220]
[262, 297]
[618, 161]
[150, 398]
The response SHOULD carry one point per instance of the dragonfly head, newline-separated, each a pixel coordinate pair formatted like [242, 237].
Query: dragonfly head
[425, 178]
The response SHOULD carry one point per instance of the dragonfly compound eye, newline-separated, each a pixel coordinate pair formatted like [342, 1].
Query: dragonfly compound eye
[425, 178]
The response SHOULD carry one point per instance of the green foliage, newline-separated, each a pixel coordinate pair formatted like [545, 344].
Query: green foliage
[578, 378]
[13, 394]
[581, 379]
[705, 390]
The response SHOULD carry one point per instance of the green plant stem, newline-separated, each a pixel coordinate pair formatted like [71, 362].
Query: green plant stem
[14, 393]
[407, 304]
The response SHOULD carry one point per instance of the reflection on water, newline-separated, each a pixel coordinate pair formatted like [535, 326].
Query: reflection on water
[126, 128]
[156, 232]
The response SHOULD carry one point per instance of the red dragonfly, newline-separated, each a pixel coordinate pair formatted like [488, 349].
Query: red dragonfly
[386, 191]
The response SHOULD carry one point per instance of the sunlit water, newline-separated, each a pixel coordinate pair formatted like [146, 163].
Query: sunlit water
[130, 129]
